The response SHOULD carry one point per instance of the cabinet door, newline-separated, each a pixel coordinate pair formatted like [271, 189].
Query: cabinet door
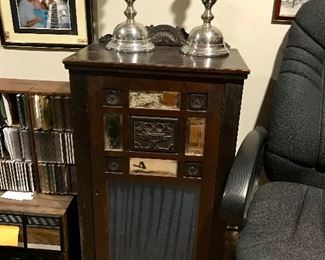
[154, 152]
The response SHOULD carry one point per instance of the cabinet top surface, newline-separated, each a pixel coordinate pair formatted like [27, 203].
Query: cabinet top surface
[41, 204]
[163, 58]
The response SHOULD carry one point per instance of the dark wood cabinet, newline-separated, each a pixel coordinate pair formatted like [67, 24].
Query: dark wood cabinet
[155, 137]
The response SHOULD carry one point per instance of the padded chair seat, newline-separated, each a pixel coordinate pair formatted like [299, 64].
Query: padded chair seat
[285, 221]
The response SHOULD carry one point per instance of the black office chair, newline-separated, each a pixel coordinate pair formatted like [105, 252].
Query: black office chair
[285, 218]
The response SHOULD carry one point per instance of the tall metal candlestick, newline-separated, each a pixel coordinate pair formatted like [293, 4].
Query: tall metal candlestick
[130, 36]
[205, 40]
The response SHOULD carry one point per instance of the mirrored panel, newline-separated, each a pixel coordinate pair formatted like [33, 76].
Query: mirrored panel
[113, 131]
[195, 136]
[153, 167]
[161, 100]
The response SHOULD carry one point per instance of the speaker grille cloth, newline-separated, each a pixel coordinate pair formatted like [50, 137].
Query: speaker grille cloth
[152, 221]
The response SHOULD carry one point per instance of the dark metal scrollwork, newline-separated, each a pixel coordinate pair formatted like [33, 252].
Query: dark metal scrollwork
[154, 134]
[112, 97]
[114, 165]
[160, 35]
[193, 169]
[197, 101]
[167, 35]
[105, 39]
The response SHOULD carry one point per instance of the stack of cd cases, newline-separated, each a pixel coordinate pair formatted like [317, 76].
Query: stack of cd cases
[54, 146]
[36, 143]
[16, 175]
[57, 178]
[16, 167]
[53, 139]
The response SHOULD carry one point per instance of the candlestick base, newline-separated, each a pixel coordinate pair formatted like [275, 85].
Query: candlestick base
[205, 41]
[130, 38]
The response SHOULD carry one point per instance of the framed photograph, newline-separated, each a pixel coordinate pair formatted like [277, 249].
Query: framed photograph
[46, 23]
[285, 10]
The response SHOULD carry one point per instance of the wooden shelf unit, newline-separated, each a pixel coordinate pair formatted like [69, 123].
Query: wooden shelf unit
[50, 218]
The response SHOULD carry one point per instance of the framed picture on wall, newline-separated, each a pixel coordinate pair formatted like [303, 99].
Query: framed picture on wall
[285, 10]
[46, 23]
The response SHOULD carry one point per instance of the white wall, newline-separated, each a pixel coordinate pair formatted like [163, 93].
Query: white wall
[42, 65]
[246, 25]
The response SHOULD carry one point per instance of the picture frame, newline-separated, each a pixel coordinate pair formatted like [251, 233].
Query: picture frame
[284, 11]
[46, 23]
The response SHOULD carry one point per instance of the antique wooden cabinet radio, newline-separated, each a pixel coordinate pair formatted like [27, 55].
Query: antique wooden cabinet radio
[155, 137]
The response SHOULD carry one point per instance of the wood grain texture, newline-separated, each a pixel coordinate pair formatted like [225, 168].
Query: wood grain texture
[163, 59]
[79, 101]
[41, 204]
[16, 85]
[55, 88]
[58, 88]
[43, 236]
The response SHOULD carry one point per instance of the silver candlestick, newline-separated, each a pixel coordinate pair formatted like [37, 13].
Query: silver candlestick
[130, 36]
[205, 40]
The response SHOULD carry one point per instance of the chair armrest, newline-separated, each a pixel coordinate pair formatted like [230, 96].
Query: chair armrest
[243, 179]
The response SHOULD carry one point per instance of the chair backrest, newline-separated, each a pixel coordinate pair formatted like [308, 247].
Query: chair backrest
[295, 150]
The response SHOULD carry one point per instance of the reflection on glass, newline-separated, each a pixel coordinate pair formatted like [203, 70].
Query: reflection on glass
[195, 136]
[11, 235]
[41, 112]
[43, 238]
[113, 132]
[162, 100]
[153, 167]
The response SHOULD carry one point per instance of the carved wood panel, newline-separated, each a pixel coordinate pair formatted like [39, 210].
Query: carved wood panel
[154, 134]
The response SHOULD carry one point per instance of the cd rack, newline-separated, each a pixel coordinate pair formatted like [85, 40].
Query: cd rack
[36, 137]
